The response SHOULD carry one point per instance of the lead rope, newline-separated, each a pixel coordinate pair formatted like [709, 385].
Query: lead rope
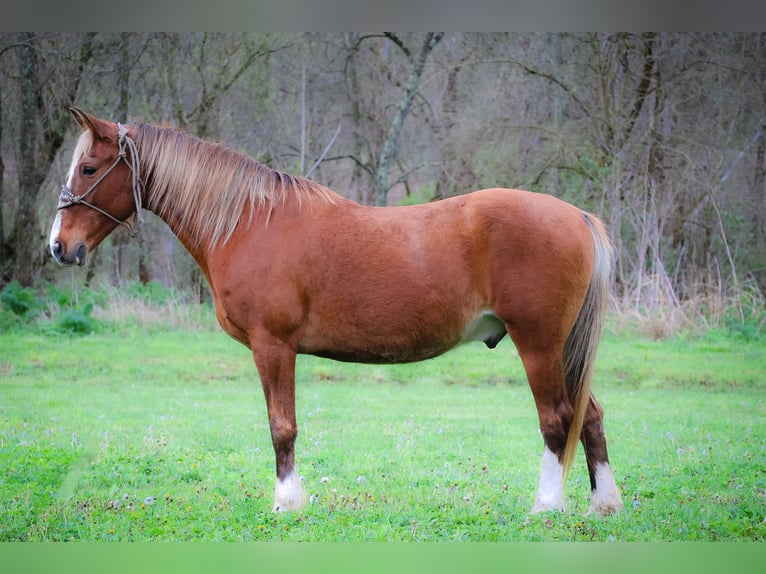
[133, 164]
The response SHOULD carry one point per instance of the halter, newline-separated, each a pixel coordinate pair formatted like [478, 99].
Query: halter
[68, 199]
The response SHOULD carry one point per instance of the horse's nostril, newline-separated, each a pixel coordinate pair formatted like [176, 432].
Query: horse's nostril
[81, 254]
[57, 250]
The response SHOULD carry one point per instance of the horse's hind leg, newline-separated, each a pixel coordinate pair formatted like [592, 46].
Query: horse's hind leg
[276, 367]
[545, 373]
[605, 497]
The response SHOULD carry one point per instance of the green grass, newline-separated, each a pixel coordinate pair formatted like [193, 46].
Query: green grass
[157, 435]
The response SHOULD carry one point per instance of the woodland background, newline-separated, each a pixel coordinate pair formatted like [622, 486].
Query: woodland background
[660, 134]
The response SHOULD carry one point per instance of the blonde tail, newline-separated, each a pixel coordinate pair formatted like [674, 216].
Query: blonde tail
[582, 342]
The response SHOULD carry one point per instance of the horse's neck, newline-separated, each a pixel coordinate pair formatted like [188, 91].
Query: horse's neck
[198, 248]
[200, 245]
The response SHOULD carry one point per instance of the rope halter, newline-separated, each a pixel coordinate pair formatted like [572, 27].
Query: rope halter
[68, 199]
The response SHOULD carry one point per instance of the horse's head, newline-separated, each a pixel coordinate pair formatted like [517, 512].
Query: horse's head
[102, 190]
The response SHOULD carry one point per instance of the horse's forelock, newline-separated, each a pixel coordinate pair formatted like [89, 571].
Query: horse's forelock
[82, 147]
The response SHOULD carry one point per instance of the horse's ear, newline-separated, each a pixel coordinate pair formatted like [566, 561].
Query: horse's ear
[99, 128]
[83, 119]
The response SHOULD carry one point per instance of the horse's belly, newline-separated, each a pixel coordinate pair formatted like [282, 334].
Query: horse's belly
[380, 356]
[404, 343]
[379, 347]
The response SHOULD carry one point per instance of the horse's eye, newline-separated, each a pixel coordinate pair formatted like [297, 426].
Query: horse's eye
[88, 170]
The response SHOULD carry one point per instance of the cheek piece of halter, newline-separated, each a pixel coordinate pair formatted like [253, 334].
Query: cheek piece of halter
[68, 199]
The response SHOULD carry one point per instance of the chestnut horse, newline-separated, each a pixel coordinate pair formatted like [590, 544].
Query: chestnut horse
[296, 268]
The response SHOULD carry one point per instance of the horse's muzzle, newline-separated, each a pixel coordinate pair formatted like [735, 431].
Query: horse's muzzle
[77, 257]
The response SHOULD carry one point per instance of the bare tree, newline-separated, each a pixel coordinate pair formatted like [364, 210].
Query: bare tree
[43, 123]
[3, 275]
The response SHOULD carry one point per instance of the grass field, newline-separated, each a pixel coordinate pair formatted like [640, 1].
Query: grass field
[162, 435]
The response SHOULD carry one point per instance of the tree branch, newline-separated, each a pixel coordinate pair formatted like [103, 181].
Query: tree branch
[571, 90]
[356, 160]
[643, 88]
[396, 40]
[324, 153]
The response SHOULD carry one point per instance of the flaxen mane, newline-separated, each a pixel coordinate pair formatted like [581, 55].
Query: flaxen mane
[211, 188]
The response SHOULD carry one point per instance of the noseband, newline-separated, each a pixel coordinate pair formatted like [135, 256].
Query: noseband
[68, 199]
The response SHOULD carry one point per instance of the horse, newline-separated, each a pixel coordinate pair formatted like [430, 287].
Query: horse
[296, 268]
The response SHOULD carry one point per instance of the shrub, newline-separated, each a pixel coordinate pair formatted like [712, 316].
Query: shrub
[8, 320]
[22, 301]
[77, 320]
[50, 308]
[152, 292]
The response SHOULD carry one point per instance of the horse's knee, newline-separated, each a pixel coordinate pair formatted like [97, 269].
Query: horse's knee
[282, 432]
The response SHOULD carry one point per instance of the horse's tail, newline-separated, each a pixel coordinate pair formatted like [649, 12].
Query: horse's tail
[582, 342]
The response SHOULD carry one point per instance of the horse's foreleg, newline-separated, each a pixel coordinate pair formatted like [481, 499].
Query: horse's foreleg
[276, 367]
[605, 497]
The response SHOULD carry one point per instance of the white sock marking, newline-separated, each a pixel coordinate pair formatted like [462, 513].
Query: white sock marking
[550, 494]
[289, 493]
[606, 498]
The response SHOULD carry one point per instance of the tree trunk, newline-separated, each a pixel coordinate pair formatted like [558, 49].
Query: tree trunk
[119, 239]
[450, 157]
[759, 180]
[558, 106]
[759, 189]
[391, 145]
[26, 232]
[3, 276]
